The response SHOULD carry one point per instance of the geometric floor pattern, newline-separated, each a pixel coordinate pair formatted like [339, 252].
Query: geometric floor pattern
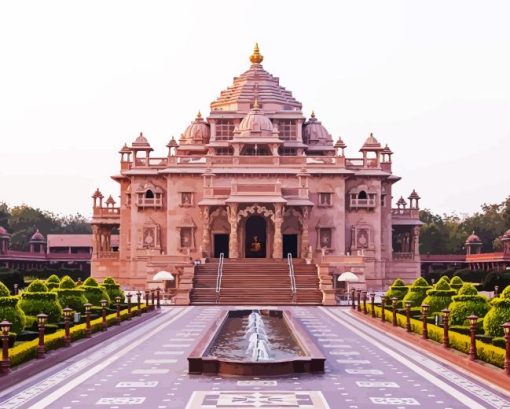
[147, 368]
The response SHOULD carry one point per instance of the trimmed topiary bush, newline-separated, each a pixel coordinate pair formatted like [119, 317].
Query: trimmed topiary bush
[70, 296]
[52, 282]
[10, 311]
[439, 297]
[498, 314]
[456, 283]
[398, 289]
[417, 292]
[4, 291]
[112, 288]
[36, 299]
[465, 303]
[94, 293]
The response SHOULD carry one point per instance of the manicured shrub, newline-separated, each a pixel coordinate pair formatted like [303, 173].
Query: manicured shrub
[417, 292]
[71, 296]
[11, 311]
[465, 303]
[456, 283]
[52, 282]
[398, 289]
[36, 299]
[498, 314]
[439, 297]
[4, 291]
[112, 288]
[94, 293]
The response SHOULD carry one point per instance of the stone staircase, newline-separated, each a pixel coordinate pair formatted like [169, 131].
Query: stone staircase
[256, 282]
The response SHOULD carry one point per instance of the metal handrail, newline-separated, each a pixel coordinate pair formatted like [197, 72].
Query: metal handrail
[292, 276]
[219, 274]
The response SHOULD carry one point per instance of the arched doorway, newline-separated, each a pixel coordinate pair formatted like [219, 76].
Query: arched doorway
[255, 237]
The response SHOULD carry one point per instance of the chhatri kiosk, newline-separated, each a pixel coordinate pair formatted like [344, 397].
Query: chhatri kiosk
[254, 182]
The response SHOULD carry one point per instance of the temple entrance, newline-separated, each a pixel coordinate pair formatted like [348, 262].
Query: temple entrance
[220, 245]
[255, 238]
[290, 245]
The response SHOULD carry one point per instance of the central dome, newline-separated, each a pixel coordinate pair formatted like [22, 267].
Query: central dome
[255, 122]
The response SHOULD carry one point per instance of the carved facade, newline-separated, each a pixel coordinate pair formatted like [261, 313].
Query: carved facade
[257, 179]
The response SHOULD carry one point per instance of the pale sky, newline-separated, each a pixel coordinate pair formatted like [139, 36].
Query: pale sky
[78, 79]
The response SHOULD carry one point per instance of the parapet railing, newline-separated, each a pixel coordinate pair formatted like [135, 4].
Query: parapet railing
[219, 274]
[292, 277]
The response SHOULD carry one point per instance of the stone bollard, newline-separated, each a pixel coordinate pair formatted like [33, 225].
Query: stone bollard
[138, 302]
[372, 304]
[117, 304]
[506, 331]
[383, 308]
[5, 326]
[394, 301]
[353, 302]
[424, 312]
[128, 296]
[103, 313]
[88, 330]
[446, 328]
[407, 305]
[158, 298]
[68, 312]
[364, 294]
[41, 322]
[472, 332]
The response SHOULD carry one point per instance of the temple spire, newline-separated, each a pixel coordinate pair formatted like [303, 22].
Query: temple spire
[256, 57]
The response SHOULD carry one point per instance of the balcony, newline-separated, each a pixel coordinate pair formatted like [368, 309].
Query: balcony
[405, 213]
[142, 201]
[362, 203]
[403, 256]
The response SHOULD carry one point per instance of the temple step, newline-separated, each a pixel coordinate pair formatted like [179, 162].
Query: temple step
[256, 281]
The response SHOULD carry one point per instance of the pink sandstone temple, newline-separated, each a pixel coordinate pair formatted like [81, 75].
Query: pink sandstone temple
[258, 196]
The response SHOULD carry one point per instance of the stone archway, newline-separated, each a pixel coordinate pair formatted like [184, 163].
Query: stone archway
[255, 237]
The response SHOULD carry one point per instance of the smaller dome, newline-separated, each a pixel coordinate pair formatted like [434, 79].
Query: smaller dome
[141, 141]
[414, 195]
[371, 144]
[37, 236]
[314, 133]
[473, 239]
[197, 132]
[386, 150]
[97, 194]
[256, 122]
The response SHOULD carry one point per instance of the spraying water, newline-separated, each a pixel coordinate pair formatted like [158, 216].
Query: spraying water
[258, 347]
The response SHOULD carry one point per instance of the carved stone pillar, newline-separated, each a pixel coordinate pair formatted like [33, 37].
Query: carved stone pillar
[233, 242]
[305, 238]
[416, 241]
[278, 240]
[206, 231]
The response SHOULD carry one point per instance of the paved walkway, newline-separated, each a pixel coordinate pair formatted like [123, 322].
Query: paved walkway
[147, 368]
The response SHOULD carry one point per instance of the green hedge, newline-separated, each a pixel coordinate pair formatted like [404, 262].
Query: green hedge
[467, 302]
[417, 292]
[11, 311]
[112, 288]
[486, 352]
[28, 350]
[71, 297]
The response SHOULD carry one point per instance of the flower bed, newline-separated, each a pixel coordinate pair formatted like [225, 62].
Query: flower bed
[28, 350]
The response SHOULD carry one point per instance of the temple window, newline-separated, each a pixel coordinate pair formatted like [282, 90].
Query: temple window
[256, 150]
[225, 151]
[362, 199]
[283, 151]
[286, 129]
[186, 199]
[325, 199]
[224, 129]
[362, 195]
[149, 194]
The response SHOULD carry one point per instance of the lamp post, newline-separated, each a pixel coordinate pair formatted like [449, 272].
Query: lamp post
[138, 302]
[5, 326]
[88, 330]
[394, 301]
[383, 308]
[128, 296]
[67, 319]
[147, 300]
[424, 313]
[446, 336]
[41, 322]
[158, 298]
[353, 301]
[365, 311]
[496, 291]
[372, 304]
[103, 313]
[506, 331]
[117, 304]
[472, 332]
[407, 305]
[15, 289]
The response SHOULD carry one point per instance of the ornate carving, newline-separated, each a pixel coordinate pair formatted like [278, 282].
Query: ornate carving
[256, 209]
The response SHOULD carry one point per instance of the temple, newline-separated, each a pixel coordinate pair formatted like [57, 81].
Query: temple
[268, 190]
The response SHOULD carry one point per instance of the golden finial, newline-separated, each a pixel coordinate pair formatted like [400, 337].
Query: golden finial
[256, 105]
[313, 114]
[199, 115]
[256, 57]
